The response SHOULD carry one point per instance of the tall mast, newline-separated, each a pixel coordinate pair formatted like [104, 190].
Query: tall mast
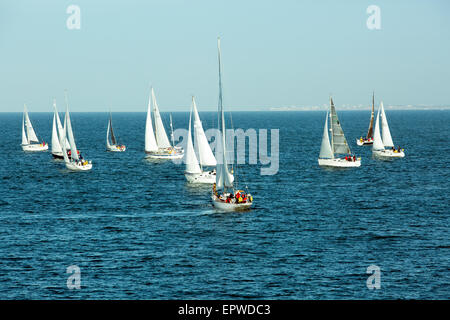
[331, 126]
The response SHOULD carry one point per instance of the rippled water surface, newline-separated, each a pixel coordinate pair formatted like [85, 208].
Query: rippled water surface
[137, 230]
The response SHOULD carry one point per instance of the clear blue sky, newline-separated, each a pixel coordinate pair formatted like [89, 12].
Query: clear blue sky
[275, 53]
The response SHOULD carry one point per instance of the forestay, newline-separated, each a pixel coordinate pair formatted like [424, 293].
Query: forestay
[386, 134]
[161, 136]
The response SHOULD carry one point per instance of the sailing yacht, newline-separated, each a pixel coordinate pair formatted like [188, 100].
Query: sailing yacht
[75, 162]
[57, 152]
[368, 140]
[230, 199]
[195, 166]
[113, 145]
[157, 145]
[380, 141]
[328, 152]
[30, 142]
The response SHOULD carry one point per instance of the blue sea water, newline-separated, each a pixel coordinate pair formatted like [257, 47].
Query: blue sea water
[137, 230]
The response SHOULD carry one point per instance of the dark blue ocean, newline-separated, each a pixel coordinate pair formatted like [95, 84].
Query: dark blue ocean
[137, 230]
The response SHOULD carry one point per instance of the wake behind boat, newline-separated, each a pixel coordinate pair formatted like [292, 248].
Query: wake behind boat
[368, 140]
[30, 142]
[339, 145]
[157, 145]
[232, 199]
[112, 146]
[384, 140]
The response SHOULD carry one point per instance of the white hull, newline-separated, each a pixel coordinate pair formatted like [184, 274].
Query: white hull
[388, 154]
[221, 205]
[166, 154]
[204, 177]
[364, 142]
[116, 148]
[34, 147]
[340, 163]
[78, 167]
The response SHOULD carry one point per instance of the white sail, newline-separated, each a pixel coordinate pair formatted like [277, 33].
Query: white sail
[56, 146]
[62, 135]
[325, 148]
[31, 135]
[150, 141]
[202, 147]
[386, 134]
[223, 177]
[108, 145]
[339, 143]
[377, 142]
[161, 136]
[24, 136]
[192, 165]
[69, 135]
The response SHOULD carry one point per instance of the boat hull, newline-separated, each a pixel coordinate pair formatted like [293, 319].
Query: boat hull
[388, 154]
[34, 147]
[166, 154]
[116, 148]
[204, 177]
[78, 167]
[340, 163]
[58, 155]
[225, 206]
[364, 142]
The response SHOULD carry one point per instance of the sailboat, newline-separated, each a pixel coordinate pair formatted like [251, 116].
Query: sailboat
[368, 140]
[195, 167]
[75, 162]
[157, 145]
[339, 145]
[57, 152]
[380, 141]
[230, 199]
[113, 146]
[30, 142]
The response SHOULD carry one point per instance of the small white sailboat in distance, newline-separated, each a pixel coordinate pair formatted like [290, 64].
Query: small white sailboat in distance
[384, 140]
[114, 146]
[76, 162]
[30, 142]
[157, 145]
[230, 199]
[339, 145]
[368, 140]
[195, 167]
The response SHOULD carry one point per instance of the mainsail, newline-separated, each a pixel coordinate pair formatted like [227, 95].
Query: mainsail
[161, 136]
[386, 134]
[370, 131]
[113, 137]
[223, 177]
[192, 165]
[338, 141]
[31, 135]
[150, 141]
[69, 134]
[377, 142]
[202, 147]
[325, 148]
